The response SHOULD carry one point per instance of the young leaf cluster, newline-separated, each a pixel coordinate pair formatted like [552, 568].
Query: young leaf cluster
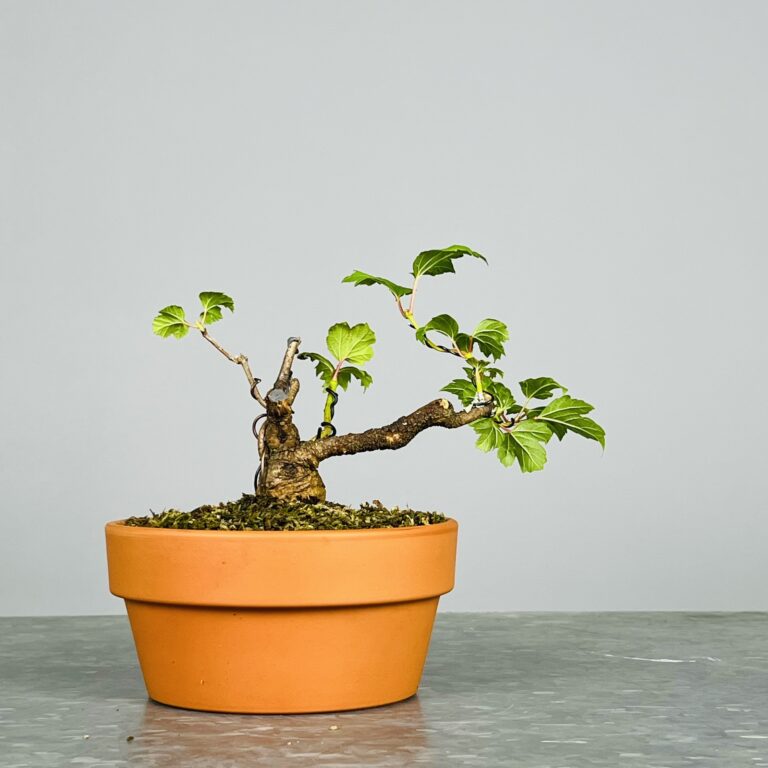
[435, 262]
[517, 431]
[172, 320]
[350, 347]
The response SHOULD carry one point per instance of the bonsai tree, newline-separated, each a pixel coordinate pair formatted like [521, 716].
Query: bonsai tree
[517, 427]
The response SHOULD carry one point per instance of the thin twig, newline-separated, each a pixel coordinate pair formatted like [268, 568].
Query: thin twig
[240, 360]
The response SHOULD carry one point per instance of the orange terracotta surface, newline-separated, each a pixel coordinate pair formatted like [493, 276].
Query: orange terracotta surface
[279, 622]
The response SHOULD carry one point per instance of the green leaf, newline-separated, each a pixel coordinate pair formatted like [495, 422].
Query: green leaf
[443, 324]
[349, 371]
[351, 344]
[440, 261]
[503, 399]
[170, 321]
[527, 440]
[213, 302]
[324, 368]
[490, 336]
[505, 450]
[568, 413]
[558, 429]
[524, 443]
[485, 368]
[541, 388]
[463, 389]
[363, 278]
[488, 434]
[588, 428]
[464, 342]
[565, 408]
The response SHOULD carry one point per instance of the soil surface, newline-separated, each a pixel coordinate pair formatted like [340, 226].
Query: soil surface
[254, 513]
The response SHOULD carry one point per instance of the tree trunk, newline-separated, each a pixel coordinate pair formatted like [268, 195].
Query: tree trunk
[286, 479]
[285, 476]
[289, 469]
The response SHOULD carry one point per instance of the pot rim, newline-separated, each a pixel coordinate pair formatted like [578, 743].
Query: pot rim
[406, 530]
[273, 569]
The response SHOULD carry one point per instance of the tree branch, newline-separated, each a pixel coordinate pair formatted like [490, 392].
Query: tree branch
[284, 375]
[240, 360]
[438, 413]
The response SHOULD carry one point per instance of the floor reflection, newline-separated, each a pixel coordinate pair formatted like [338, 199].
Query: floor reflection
[392, 735]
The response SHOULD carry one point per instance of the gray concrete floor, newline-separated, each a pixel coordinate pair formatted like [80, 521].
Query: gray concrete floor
[533, 690]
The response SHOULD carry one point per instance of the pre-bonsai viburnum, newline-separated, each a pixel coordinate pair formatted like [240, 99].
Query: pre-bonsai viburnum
[517, 429]
[282, 548]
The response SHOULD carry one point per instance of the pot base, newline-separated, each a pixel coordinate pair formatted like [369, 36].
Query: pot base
[281, 660]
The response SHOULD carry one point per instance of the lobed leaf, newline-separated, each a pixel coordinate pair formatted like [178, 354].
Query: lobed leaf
[170, 321]
[443, 324]
[541, 388]
[527, 440]
[524, 443]
[486, 370]
[363, 278]
[213, 302]
[588, 428]
[351, 344]
[564, 408]
[490, 336]
[559, 429]
[503, 398]
[487, 434]
[324, 368]
[463, 389]
[348, 372]
[440, 261]
[505, 450]
[464, 342]
[568, 413]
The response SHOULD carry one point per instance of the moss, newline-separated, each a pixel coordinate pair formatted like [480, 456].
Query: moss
[254, 513]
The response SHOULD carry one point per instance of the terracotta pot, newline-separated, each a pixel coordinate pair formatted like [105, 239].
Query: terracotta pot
[281, 621]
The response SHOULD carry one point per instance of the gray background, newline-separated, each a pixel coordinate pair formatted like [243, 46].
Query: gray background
[608, 157]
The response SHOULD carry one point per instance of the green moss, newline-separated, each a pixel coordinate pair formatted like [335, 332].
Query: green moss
[254, 513]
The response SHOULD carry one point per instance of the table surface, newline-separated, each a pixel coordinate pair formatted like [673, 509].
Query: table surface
[641, 690]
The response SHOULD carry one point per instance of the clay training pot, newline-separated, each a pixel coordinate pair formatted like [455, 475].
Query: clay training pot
[281, 621]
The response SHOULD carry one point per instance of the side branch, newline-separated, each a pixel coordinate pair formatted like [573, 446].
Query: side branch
[284, 376]
[240, 360]
[438, 413]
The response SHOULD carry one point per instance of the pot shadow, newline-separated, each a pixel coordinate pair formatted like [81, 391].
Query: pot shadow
[390, 735]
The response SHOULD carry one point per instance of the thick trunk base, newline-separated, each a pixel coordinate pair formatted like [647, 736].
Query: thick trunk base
[285, 479]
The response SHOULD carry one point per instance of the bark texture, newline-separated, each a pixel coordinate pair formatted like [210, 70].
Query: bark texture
[438, 413]
[290, 464]
[285, 475]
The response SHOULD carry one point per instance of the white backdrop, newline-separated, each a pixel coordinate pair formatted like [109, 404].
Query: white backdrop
[608, 157]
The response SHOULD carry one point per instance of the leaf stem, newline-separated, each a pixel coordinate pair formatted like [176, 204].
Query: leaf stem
[478, 380]
[333, 384]
[414, 288]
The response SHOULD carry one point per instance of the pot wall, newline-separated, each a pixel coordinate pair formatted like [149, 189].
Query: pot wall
[303, 621]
